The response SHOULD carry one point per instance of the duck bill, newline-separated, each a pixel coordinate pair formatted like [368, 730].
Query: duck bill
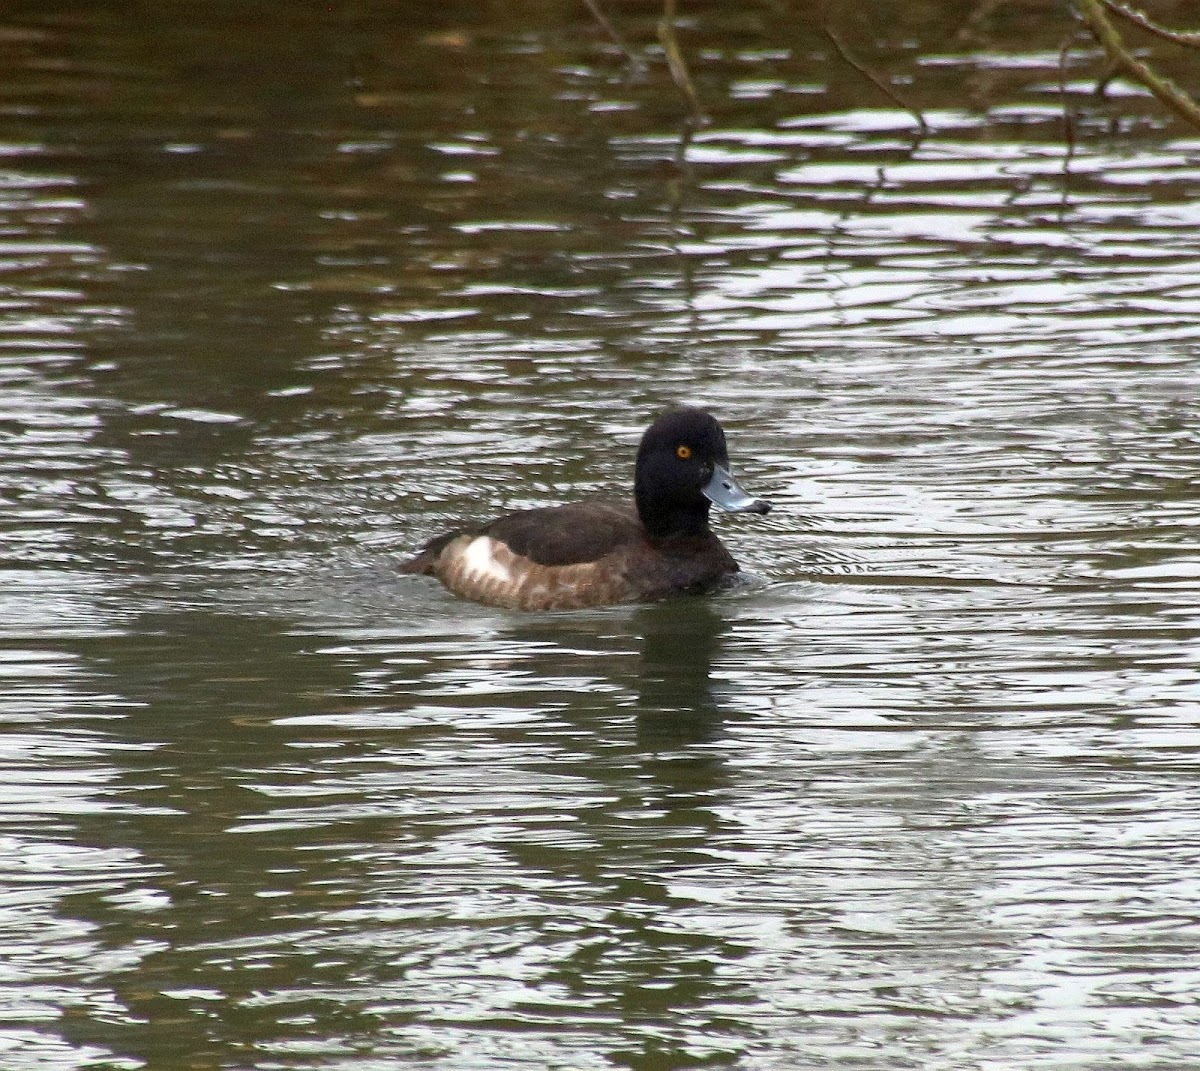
[724, 491]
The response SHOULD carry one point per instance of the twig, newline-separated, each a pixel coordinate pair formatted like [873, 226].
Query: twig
[1162, 87]
[637, 65]
[875, 80]
[676, 63]
[1187, 38]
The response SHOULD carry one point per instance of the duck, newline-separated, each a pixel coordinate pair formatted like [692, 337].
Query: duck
[599, 552]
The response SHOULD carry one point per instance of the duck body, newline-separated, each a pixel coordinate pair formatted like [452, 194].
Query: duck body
[591, 553]
[598, 552]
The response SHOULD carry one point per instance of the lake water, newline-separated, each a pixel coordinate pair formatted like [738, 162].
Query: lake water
[288, 289]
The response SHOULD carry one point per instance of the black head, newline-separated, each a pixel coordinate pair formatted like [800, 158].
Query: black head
[682, 466]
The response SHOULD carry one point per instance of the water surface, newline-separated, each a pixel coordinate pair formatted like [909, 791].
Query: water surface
[286, 292]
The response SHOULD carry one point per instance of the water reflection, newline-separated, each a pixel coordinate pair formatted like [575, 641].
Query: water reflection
[630, 954]
[272, 846]
[680, 640]
[680, 714]
[923, 794]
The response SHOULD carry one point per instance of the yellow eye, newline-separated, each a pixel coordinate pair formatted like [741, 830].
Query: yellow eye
[683, 451]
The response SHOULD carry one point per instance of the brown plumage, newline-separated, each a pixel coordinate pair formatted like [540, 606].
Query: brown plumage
[596, 552]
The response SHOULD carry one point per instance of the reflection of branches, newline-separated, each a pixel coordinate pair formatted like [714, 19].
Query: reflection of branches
[1068, 117]
[1093, 13]
[874, 79]
[676, 64]
[636, 64]
[1099, 16]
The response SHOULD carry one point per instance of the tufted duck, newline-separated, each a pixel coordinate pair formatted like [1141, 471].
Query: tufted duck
[597, 552]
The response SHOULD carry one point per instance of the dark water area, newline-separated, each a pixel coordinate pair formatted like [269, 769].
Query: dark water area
[287, 289]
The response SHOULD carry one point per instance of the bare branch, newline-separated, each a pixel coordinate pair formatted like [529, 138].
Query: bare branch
[676, 63]
[1162, 87]
[1187, 38]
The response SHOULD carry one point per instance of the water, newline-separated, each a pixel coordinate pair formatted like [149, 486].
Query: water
[287, 292]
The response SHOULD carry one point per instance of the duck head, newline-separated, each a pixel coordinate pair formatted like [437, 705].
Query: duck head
[682, 468]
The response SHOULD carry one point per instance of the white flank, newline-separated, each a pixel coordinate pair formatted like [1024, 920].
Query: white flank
[481, 563]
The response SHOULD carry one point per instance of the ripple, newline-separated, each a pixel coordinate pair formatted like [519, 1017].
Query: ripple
[921, 791]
